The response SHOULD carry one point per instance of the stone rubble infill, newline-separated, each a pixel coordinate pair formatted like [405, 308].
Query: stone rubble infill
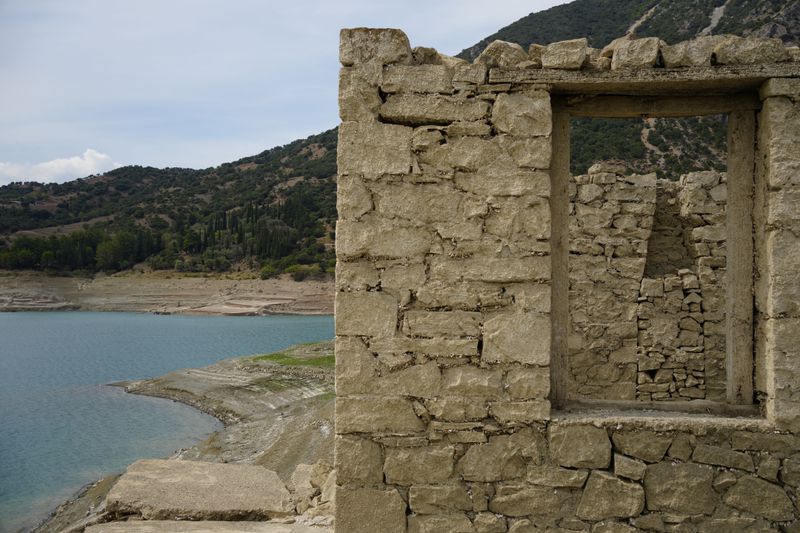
[159, 489]
[170, 526]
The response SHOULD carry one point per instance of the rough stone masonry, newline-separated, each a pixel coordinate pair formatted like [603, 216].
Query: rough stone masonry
[521, 350]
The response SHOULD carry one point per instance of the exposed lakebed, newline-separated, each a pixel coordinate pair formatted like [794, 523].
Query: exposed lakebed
[63, 428]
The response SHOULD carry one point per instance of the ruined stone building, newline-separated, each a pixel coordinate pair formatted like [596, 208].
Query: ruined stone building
[519, 349]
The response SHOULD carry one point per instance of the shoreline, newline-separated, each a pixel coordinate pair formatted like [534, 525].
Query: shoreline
[250, 434]
[165, 293]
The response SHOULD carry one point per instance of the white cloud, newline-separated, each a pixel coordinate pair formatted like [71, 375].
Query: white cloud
[58, 170]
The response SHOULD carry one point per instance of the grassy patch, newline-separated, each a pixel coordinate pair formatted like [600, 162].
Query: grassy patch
[283, 358]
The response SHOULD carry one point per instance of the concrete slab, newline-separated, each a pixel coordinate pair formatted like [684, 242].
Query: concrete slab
[169, 526]
[158, 489]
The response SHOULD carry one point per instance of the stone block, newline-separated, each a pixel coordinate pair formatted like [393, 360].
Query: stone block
[520, 412]
[767, 442]
[607, 496]
[714, 455]
[429, 347]
[594, 450]
[566, 55]
[373, 148]
[694, 53]
[442, 323]
[638, 53]
[517, 337]
[417, 79]
[680, 488]
[489, 523]
[523, 115]
[359, 99]
[628, 468]
[358, 461]
[467, 381]
[417, 202]
[768, 468]
[554, 476]
[613, 526]
[474, 73]
[381, 239]
[408, 466]
[525, 500]
[372, 414]
[458, 409]
[494, 269]
[383, 46]
[419, 110]
[356, 367]
[371, 314]
[749, 50]
[465, 129]
[782, 208]
[780, 87]
[502, 54]
[159, 489]
[444, 523]
[353, 199]
[438, 499]
[404, 276]
[490, 182]
[761, 498]
[359, 510]
[357, 276]
[420, 381]
[528, 383]
[527, 152]
[642, 444]
[778, 137]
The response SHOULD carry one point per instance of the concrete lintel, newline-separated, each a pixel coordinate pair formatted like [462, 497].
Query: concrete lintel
[698, 80]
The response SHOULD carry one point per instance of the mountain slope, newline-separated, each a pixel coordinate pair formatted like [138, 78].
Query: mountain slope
[274, 207]
[601, 21]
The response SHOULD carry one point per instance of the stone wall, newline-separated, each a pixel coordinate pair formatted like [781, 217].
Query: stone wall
[450, 219]
[611, 217]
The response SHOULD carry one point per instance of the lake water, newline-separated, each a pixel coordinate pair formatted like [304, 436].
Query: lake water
[61, 427]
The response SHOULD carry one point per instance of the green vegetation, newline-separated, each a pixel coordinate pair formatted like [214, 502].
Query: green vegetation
[283, 358]
[273, 211]
[600, 21]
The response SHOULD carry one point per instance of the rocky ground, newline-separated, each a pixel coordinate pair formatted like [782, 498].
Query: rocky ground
[165, 292]
[278, 414]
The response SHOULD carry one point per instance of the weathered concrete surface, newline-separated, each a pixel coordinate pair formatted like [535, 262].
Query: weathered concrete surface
[170, 526]
[158, 489]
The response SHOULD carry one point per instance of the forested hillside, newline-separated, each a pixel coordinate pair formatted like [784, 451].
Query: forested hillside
[274, 212]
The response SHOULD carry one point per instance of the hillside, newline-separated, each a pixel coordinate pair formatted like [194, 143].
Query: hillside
[275, 211]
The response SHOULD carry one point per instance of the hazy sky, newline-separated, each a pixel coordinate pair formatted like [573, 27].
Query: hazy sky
[91, 84]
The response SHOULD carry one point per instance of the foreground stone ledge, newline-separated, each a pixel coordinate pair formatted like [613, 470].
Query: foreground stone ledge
[157, 489]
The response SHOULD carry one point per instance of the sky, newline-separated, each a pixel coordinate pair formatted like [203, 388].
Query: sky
[89, 85]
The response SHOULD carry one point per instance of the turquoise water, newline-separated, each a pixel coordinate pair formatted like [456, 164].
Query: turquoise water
[61, 427]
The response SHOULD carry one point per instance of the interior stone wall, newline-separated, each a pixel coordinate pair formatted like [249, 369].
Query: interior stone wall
[646, 286]
[444, 320]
